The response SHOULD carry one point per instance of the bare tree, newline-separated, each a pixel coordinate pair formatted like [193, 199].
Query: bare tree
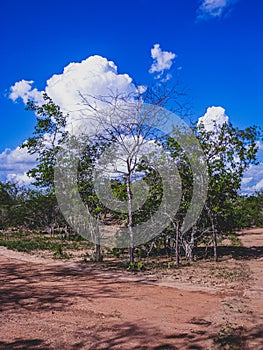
[130, 129]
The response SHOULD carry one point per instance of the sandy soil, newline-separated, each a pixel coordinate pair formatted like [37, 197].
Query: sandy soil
[63, 305]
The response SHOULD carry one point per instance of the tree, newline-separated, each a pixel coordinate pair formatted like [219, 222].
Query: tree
[127, 128]
[122, 166]
[126, 135]
[229, 152]
[248, 211]
[49, 133]
[8, 197]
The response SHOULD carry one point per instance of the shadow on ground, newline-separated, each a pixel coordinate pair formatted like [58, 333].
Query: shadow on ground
[24, 344]
[133, 337]
[235, 252]
[19, 286]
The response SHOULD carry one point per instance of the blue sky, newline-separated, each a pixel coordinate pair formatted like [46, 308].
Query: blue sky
[218, 44]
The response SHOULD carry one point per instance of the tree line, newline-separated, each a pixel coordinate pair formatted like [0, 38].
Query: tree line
[228, 152]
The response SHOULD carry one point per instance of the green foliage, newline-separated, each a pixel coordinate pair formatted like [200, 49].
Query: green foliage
[235, 241]
[248, 211]
[30, 241]
[48, 135]
[135, 266]
[32, 209]
[8, 199]
[8, 193]
[116, 252]
[60, 254]
[24, 243]
[228, 150]
[86, 257]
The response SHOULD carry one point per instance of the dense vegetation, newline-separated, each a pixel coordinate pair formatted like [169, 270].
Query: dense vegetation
[228, 152]
[31, 220]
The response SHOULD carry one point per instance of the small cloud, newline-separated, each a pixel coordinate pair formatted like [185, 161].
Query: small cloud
[258, 186]
[214, 8]
[14, 164]
[166, 78]
[246, 180]
[162, 60]
[214, 117]
[20, 179]
[253, 179]
[23, 89]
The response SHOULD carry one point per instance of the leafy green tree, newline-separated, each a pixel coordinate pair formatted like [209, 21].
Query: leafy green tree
[40, 210]
[229, 152]
[248, 211]
[49, 136]
[49, 133]
[8, 198]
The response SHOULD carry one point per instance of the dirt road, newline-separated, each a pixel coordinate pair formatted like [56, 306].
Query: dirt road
[50, 305]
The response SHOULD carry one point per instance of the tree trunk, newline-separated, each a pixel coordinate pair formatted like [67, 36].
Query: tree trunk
[166, 246]
[177, 254]
[214, 241]
[98, 256]
[210, 214]
[96, 236]
[129, 194]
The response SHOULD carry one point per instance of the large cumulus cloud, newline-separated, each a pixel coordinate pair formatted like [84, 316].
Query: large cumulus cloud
[90, 79]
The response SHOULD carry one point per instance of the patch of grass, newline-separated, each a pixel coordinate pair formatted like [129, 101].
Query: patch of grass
[116, 252]
[238, 273]
[235, 241]
[136, 266]
[60, 254]
[27, 244]
[85, 257]
[26, 241]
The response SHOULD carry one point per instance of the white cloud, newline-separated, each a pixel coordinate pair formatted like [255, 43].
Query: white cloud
[260, 147]
[253, 179]
[214, 118]
[23, 89]
[246, 180]
[93, 77]
[19, 179]
[213, 8]
[14, 165]
[258, 186]
[162, 60]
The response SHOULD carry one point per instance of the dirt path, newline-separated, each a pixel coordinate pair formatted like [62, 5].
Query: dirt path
[253, 241]
[50, 305]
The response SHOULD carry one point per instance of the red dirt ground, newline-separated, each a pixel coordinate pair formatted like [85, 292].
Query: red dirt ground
[49, 305]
